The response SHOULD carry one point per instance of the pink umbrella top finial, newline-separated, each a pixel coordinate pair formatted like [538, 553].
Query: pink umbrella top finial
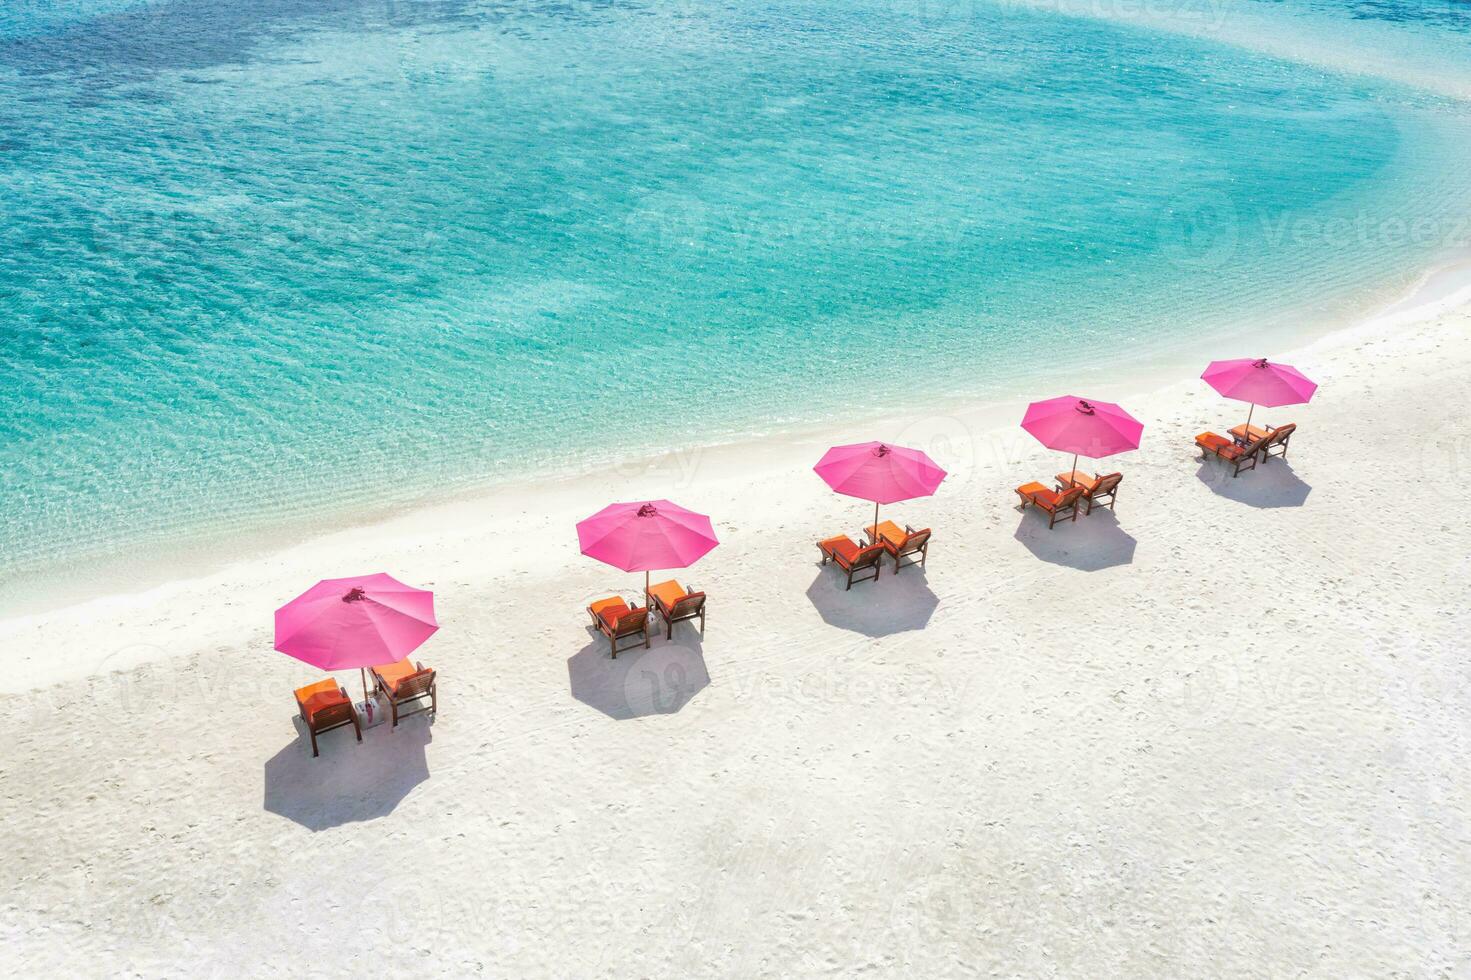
[1084, 407]
[1261, 362]
[881, 450]
[648, 510]
[355, 594]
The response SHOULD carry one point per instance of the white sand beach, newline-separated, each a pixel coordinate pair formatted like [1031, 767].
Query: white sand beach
[1222, 731]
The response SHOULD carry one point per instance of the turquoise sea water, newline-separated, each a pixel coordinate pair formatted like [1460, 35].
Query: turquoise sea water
[288, 259]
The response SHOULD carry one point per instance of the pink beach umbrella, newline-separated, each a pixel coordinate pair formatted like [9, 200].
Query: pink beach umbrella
[645, 535]
[1083, 427]
[1260, 382]
[362, 621]
[879, 472]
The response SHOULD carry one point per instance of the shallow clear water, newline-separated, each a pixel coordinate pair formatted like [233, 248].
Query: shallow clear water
[273, 260]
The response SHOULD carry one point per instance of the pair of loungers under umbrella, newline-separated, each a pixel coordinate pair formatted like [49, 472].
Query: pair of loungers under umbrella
[884, 474]
[367, 622]
[1084, 427]
[1259, 382]
[643, 536]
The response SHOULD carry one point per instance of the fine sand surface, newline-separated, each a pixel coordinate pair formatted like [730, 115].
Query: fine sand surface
[1221, 732]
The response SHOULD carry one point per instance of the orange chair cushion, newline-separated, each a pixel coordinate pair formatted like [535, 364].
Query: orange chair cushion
[611, 614]
[321, 700]
[1219, 445]
[841, 546]
[669, 592]
[393, 675]
[1039, 495]
[887, 531]
[608, 603]
[303, 694]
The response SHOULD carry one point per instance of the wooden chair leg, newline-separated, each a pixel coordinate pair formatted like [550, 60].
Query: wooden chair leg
[313, 734]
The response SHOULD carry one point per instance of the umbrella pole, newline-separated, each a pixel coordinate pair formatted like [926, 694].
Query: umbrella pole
[363, 676]
[1075, 466]
[1248, 419]
[875, 522]
[646, 588]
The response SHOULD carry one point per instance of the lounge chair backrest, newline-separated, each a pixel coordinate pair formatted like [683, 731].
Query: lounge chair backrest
[414, 685]
[1282, 433]
[1259, 444]
[632, 621]
[328, 714]
[1107, 484]
[915, 541]
[868, 556]
[688, 605]
[1069, 497]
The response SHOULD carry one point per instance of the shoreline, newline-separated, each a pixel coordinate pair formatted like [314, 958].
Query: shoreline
[402, 540]
[78, 580]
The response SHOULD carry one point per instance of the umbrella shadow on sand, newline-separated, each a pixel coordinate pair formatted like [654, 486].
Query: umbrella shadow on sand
[1268, 486]
[891, 604]
[1089, 544]
[658, 681]
[349, 782]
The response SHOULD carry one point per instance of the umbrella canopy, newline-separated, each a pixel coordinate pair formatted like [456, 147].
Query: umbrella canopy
[1260, 382]
[645, 535]
[879, 472]
[1083, 427]
[362, 621]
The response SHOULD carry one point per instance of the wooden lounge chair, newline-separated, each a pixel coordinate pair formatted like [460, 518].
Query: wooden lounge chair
[617, 622]
[1228, 451]
[676, 605]
[1103, 488]
[404, 683]
[1277, 444]
[901, 544]
[1055, 505]
[853, 560]
[325, 706]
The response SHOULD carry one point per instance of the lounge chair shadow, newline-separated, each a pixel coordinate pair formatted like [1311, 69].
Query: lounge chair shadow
[1089, 544]
[348, 782]
[658, 681]
[888, 605]
[1270, 485]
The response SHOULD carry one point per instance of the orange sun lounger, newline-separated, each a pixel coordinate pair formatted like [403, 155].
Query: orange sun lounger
[403, 683]
[1055, 505]
[1103, 487]
[901, 543]
[676, 605]
[325, 706]
[617, 622]
[1229, 451]
[853, 560]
